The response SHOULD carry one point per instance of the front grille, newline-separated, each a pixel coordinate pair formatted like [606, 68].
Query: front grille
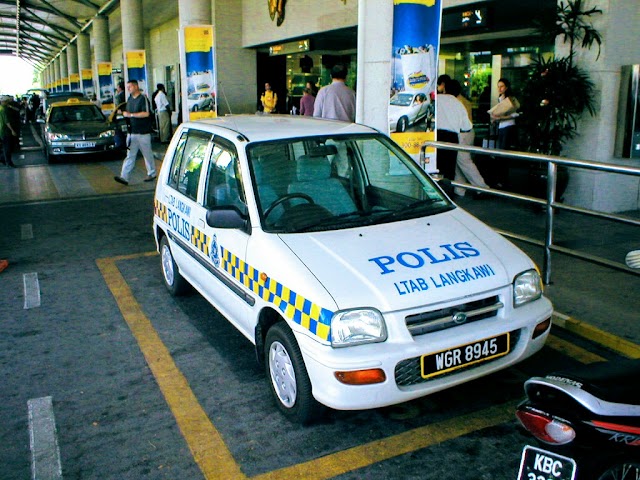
[428, 322]
[408, 372]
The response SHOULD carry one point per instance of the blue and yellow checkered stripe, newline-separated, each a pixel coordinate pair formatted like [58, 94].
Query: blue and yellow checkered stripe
[200, 240]
[160, 210]
[293, 306]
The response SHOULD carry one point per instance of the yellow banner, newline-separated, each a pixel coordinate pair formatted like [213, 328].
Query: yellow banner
[136, 59]
[104, 68]
[87, 74]
[74, 78]
[426, 3]
[198, 39]
[412, 141]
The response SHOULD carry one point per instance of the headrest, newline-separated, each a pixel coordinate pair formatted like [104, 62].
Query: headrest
[312, 168]
[322, 150]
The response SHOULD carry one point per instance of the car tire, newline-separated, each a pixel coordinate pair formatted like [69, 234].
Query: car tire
[622, 471]
[287, 376]
[403, 123]
[175, 283]
[195, 108]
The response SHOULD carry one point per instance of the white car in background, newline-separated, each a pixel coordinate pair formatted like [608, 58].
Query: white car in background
[406, 109]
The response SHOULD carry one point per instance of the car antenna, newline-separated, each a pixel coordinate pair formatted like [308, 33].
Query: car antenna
[225, 98]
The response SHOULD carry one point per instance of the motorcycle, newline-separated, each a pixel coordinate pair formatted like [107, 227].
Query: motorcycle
[587, 420]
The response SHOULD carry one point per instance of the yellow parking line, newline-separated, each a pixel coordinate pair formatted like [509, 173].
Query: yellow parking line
[386, 448]
[205, 442]
[100, 177]
[573, 351]
[36, 184]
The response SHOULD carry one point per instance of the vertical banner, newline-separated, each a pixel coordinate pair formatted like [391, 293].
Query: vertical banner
[199, 76]
[414, 71]
[65, 84]
[74, 82]
[135, 67]
[87, 82]
[105, 86]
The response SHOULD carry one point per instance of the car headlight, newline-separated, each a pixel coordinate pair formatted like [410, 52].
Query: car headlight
[527, 287]
[57, 136]
[107, 134]
[355, 327]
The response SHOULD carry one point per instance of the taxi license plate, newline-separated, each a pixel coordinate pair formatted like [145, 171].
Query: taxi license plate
[454, 358]
[84, 144]
[538, 464]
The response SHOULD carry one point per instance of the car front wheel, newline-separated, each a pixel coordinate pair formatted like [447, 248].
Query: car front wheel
[403, 123]
[288, 378]
[174, 282]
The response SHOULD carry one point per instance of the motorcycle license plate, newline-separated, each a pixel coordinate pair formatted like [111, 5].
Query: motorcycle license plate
[539, 464]
[84, 144]
[448, 360]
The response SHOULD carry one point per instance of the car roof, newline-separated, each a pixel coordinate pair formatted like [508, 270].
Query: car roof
[71, 102]
[257, 128]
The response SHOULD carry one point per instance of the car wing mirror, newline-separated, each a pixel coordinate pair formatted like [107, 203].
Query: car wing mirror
[633, 259]
[227, 216]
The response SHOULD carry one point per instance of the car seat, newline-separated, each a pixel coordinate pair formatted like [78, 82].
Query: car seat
[314, 179]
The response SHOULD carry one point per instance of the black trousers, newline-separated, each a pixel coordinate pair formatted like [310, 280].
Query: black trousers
[446, 159]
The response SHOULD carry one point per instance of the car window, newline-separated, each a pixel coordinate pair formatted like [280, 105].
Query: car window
[187, 162]
[224, 186]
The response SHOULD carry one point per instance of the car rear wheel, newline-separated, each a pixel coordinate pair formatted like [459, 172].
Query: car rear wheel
[403, 123]
[174, 282]
[622, 471]
[288, 378]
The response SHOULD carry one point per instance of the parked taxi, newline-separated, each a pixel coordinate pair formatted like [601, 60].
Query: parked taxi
[360, 283]
[76, 127]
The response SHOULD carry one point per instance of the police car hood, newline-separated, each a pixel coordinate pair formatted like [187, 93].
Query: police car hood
[409, 263]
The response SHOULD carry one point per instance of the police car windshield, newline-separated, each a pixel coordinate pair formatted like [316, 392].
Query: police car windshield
[346, 181]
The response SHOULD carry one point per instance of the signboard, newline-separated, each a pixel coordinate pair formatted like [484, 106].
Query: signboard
[87, 82]
[135, 66]
[416, 38]
[290, 47]
[105, 87]
[199, 95]
[74, 82]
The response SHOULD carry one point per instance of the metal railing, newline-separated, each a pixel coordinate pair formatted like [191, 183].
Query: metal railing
[550, 203]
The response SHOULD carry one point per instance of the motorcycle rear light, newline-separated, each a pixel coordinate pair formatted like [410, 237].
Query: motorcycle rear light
[546, 428]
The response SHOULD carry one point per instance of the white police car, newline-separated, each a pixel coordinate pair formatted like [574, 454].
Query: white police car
[359, 282]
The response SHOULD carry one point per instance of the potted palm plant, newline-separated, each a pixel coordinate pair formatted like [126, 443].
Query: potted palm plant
[557, 91]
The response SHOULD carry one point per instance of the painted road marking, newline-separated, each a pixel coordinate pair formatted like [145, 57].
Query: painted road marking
[43, 440]
[31, 290]
[206, 444]
[26, 231]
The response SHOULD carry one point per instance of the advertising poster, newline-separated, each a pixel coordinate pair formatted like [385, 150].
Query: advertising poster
[136, 68]
[105, 86]
[199, 79]
[414, 71]
[74, 82]
[87, 82]
[65, 84]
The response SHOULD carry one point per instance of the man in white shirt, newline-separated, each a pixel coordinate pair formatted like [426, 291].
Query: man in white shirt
[451, 119]
[336, 101]
[163, 110]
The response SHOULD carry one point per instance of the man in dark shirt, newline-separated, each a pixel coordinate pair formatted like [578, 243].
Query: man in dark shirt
[138, 111]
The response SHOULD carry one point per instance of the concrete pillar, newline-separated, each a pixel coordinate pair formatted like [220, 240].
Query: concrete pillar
[64, 70]
[101, 39]
[198, 12]
[132, 28]
[84, 51]
[72, 62]
[56, 68]
[232, 60]
[375, 37]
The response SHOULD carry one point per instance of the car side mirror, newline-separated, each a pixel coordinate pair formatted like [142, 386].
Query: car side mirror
[227, 216]
[40, 120]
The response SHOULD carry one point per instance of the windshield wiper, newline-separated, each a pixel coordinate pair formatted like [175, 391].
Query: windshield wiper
[336, 219]
[408, 209]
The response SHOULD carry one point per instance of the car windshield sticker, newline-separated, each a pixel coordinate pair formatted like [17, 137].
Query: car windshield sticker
[403, 262]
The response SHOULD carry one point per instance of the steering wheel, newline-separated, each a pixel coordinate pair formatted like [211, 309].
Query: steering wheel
[284, 198]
